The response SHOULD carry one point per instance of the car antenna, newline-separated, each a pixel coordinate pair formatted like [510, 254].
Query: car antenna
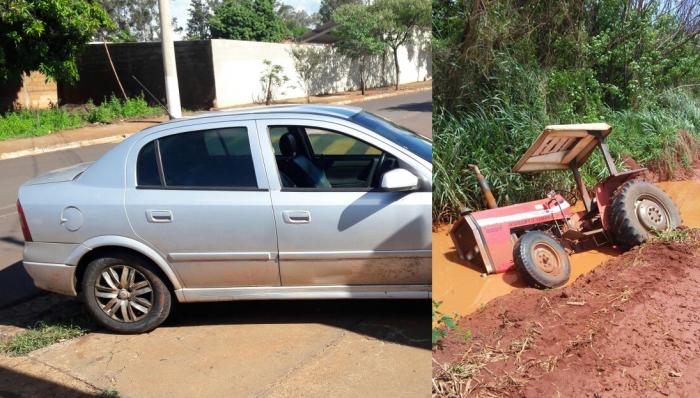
[153, 97]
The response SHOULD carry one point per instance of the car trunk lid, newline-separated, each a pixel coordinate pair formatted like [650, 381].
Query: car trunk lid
[60, 175]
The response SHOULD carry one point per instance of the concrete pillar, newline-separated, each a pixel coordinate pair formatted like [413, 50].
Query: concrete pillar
[172, 91]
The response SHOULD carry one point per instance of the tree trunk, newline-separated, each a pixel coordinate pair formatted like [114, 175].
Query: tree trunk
[362, 75]
[268, 98]
[396, 66]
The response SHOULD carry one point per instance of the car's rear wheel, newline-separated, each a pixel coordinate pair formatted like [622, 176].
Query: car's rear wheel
[541, 260]
[125, 294]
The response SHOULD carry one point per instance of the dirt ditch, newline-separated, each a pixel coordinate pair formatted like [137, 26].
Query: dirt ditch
[628, 328]
[463, 288]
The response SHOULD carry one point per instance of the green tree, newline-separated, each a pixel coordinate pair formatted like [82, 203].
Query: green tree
[358, 32]
[400, 20]
[135, 20]
[307, 60]
[198, 21]
[247, 20]
[271, 79]
[296, 21]
[328, 7]
[46, 35]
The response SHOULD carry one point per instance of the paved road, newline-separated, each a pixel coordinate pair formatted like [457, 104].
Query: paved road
[411, 110]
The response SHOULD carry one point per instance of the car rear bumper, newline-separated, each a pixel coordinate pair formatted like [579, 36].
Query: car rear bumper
[57, 278]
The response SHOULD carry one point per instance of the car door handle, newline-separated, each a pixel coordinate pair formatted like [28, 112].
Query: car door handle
[296, 216]
[159, 216]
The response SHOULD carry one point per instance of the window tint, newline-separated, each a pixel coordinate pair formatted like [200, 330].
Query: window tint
[315, 158]
[324, 142]
[213, 158]
[275, 134]
[147, 166]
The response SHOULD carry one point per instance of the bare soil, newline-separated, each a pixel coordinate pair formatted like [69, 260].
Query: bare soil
[628, 328]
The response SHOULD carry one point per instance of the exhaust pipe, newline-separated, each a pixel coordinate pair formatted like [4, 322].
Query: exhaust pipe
[485, 188]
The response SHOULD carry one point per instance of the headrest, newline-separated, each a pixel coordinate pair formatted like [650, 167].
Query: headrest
[288, 145]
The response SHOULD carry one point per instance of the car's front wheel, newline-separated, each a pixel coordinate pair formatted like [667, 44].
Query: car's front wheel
[125, 294]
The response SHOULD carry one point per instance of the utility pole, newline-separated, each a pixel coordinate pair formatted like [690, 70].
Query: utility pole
[172, 91]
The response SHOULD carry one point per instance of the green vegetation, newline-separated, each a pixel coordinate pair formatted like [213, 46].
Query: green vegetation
[46, 35]
[247, 20]
[504, 72]
[399, 21]
[687, 236]
[109, 393]
[27, 123]
[358, 32]
[45, 334]
[442, 324]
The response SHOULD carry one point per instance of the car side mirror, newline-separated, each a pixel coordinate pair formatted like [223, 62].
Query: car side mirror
[399, 180]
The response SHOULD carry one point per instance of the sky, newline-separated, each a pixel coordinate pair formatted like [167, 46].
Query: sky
[179, 9]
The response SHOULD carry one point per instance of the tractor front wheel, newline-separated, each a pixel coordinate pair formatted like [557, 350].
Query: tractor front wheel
[638, 210]
[541, 260]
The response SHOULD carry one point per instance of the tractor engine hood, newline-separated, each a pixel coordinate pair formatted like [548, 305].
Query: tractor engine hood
[485, 238]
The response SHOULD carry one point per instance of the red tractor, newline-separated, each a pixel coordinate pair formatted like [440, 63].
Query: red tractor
[537, 236]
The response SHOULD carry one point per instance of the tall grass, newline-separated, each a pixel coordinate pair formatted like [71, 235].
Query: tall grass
[495, 134]
[27, 123]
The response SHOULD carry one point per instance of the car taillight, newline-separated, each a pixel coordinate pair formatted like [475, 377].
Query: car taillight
[23, 223]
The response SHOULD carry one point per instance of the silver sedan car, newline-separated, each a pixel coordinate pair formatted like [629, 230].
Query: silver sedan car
[296, 202]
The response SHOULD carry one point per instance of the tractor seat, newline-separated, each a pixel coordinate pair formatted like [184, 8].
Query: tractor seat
[298, 168]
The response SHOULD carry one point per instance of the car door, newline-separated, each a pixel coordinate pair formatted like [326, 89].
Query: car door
[348, 232]
[199, 195]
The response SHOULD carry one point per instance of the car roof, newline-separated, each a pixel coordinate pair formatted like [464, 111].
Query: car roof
[338, 111]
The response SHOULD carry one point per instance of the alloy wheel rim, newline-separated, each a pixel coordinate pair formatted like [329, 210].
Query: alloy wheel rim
[651, 213]
[124, 293]
[547, 259]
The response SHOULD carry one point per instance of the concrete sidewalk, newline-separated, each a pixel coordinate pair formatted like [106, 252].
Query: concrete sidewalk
[116, 132]
[342, 348]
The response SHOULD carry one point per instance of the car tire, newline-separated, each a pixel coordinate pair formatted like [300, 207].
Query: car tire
[541, 260]
[125, 294]
[638, 209]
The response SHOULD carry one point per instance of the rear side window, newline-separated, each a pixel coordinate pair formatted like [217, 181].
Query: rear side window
[147, 166]
[218, 158]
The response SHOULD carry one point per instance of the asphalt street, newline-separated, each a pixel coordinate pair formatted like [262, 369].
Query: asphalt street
[413, 111]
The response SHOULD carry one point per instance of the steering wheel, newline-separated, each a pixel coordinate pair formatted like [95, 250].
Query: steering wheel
[375, 173]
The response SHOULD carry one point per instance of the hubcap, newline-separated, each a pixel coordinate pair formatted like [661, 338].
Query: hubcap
[124, 293]
[651, 214]
[546, 258]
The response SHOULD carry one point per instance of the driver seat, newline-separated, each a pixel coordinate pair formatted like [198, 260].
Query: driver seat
[300, 169]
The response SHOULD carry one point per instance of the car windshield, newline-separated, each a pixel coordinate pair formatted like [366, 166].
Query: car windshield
[408, 139]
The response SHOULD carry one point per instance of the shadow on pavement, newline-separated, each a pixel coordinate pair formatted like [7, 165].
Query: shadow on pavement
[426, 106]
[15, 285]
[404, 322]
[23, 385]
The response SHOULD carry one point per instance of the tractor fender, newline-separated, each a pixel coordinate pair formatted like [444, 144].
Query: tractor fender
[605, 190]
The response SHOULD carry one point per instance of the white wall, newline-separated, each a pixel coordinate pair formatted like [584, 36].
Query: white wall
[238, 67]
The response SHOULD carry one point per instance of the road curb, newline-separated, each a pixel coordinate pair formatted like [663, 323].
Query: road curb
[118, 138]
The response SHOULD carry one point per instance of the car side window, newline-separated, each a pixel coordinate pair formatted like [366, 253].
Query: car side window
[215, 159]
[321, 159]
[147, 166]
[326, 142]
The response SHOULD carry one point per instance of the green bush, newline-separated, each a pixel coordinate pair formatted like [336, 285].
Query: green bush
[505, 70]
[495, 136]
[27, 123]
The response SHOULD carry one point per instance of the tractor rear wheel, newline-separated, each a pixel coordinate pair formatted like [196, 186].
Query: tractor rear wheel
[638, 210]
[541, 260]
